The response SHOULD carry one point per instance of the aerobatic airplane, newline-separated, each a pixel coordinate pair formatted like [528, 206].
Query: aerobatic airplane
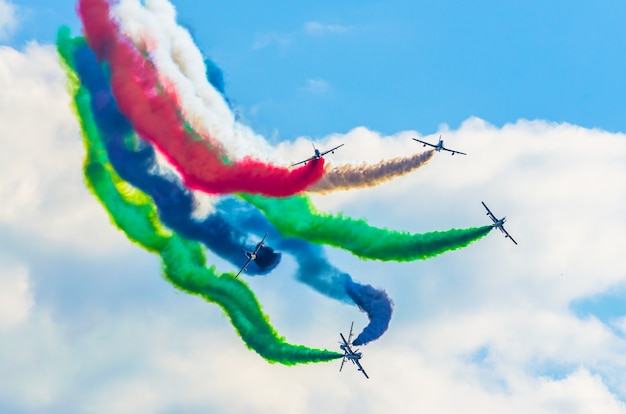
[252, 255]
[352, 355]
[439, 146]
[498, 223]
[316, 155]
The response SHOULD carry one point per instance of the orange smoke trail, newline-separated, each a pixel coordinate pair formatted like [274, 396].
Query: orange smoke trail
[365, 175]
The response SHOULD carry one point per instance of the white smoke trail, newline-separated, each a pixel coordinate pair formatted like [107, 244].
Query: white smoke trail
[240, 140]
[181, 65]
[143, 29]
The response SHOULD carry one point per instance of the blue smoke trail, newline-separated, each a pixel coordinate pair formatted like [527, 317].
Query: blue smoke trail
[377, 305]
[135, 162]
[315, 271]
[313, 267]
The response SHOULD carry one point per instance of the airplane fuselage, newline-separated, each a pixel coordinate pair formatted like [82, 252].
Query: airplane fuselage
[499, 223]
[349, 353]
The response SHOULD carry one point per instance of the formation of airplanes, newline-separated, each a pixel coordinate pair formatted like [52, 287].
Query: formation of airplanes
[251, 255]
[439, 146]
[317, 155]
[349, 353]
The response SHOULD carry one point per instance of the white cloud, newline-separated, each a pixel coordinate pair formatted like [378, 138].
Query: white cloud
[41, 184]
[284, 40]
[316, 86]
[320, 29]
[561, 188]
[8, 19]
[508, 302]
[16, 299]
[485, 329]
[264, 40]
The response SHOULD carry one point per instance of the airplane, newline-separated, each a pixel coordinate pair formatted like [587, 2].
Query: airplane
[317, 155]
[498, 223]
[252, 255]
[439, 146]
[349, 354]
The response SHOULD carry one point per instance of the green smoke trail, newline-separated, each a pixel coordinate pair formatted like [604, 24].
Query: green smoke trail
[297, 217]
[184, 263]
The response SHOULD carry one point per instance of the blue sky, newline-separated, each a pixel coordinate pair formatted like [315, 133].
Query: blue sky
[532, 91]
[400, 65]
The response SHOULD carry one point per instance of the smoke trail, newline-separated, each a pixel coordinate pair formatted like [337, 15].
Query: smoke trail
[181, 64]
[145, 31]
[174, 202]
[364, 175]
[313, 266]
[297, 217]
[315, 271]
[183, 261]
[155, 116]
[366, 297]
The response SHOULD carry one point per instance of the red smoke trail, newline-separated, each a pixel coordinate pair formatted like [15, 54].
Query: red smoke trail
[154, 114]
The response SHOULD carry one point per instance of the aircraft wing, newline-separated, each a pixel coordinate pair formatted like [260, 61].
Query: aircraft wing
[244, 267]
[351, 333]
[344, 340]
[452, 151]
[358, 364]
[489, 213]
[508, 235]
[303, 162]
[342, 362]
[425, 143]
[330, 150]
[260, 244]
